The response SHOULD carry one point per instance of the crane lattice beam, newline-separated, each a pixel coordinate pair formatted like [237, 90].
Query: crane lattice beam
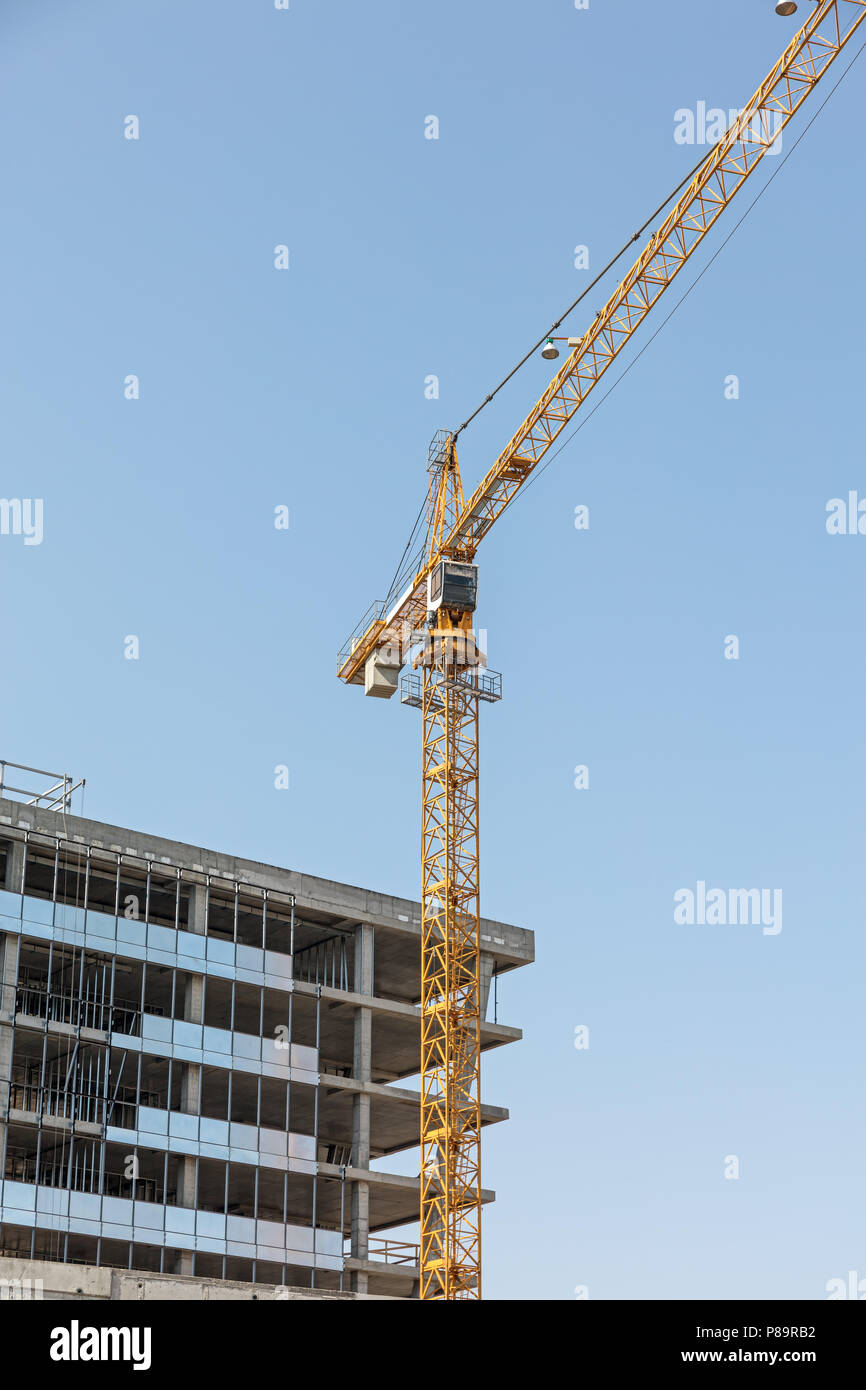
[727, 166]
[451, 1004]
[721, 176]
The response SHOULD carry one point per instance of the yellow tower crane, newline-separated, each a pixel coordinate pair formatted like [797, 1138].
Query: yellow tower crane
[430, 624]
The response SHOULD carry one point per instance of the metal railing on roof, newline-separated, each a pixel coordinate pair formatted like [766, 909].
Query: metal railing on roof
[56, 797]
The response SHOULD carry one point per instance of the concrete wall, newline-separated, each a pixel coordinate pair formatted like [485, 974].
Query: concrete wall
[86, 1283]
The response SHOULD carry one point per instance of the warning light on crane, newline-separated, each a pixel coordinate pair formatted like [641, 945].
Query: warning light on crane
[550, 350]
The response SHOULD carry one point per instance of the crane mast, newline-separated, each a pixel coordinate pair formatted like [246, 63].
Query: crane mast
[432, 624]
[450, 975]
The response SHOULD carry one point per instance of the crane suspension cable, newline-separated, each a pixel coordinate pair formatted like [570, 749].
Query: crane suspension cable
[394, 586]
[536, 475]
[592, 284]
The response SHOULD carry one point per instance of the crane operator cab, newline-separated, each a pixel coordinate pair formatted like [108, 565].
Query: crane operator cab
[452, 593]
[454, 586]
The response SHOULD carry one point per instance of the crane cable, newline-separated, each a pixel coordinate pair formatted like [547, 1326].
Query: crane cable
[600, 276]
[395, 582]
[537, 473]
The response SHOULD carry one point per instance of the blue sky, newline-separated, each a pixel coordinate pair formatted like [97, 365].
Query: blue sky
[258, 387]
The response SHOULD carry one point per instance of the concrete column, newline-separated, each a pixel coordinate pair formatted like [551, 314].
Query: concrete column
[190, 1088]
[14, 881]
[486, 975]
[185, 1198]
[361, 1070]
[193, 999]
[190, 1104]
[190, 1080]
[186, 1168]
[10, 944]
[197, 919]
[9, 947]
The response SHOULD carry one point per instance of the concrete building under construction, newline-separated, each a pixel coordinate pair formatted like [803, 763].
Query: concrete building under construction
[201, 1059]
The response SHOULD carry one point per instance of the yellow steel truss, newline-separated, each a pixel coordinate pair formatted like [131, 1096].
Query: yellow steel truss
[450, 1008]
[450, 1004]
[724, 171]
[716, 183]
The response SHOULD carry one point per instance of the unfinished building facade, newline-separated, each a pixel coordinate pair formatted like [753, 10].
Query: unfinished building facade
[201, 1058]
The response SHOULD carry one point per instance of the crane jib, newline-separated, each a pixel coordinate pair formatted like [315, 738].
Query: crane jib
[727, 166]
